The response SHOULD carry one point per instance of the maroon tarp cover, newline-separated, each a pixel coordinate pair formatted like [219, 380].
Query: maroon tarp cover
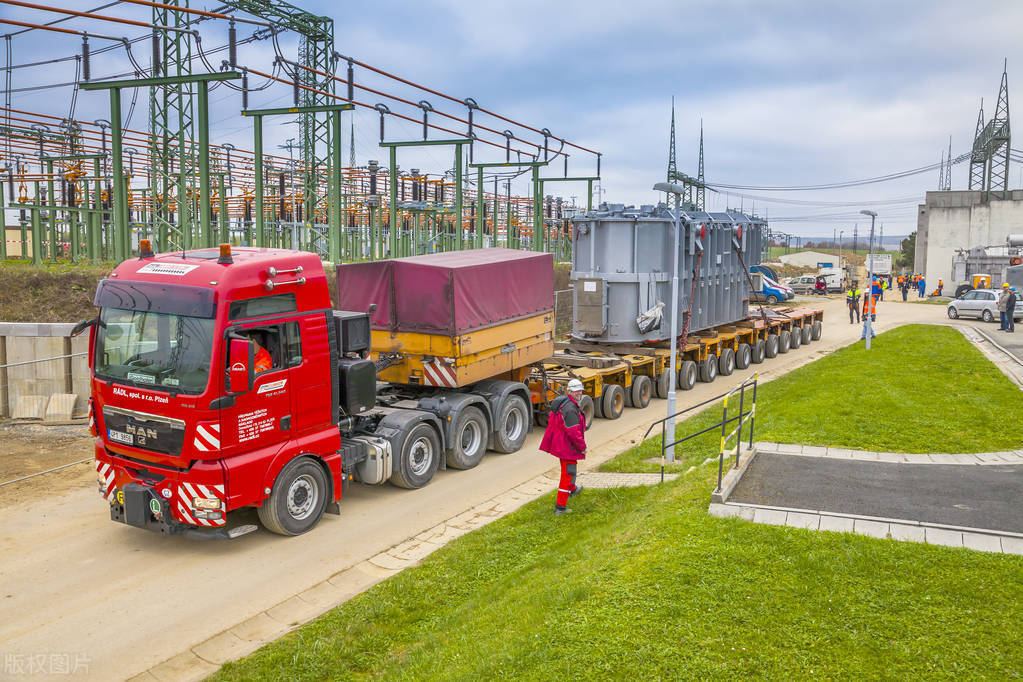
[449, 293]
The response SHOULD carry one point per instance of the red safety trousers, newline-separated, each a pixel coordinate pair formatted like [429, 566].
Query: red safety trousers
[566, 486]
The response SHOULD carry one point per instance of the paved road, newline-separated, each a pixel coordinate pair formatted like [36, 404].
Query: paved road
[959, 495]
[75, 582]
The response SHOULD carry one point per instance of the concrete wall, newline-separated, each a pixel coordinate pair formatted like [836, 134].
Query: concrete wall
[28, 388]
[948, 221]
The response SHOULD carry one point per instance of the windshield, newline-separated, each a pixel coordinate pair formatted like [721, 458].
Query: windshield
[154, 350]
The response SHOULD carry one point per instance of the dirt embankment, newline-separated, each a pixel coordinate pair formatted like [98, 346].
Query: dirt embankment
[48, 293]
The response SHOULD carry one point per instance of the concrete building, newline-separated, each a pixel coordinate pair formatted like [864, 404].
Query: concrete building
[809, 259]
[949, 221]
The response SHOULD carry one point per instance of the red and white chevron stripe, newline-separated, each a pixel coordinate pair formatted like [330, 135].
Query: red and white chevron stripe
[186, 512]
[207, 437]
[106, 473]
[439, 373]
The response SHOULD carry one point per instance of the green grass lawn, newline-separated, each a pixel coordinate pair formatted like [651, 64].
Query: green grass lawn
[641, 583]
[920, 388]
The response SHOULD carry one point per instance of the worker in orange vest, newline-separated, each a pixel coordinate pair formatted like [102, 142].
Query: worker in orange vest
[869, 308]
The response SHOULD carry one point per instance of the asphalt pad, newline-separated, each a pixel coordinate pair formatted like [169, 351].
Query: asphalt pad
[976, 496]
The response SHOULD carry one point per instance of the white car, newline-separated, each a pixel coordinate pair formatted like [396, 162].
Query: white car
[980, 303]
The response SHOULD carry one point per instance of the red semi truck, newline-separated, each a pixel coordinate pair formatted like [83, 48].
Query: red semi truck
[224, 379]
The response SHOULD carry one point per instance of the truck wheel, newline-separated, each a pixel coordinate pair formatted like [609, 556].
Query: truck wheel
[510, 429]
[772, 299]
[771, 349]
[709, 369]
[642, 391]
[726, 362]
[612, 401]
[661, 384]
[758, 351]
[541, 418]
[586, 407]
[805, 335]
[298, 498]
[817, 331]
[784, 341]
[687, 375]
[744, 357]
[795, 339]
[469, 439]
[419, 458]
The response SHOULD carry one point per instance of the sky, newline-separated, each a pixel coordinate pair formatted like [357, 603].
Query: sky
[788, 93]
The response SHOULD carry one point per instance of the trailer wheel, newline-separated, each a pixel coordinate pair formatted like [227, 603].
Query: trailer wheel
[744, 357]
[784, 341]
[419, 458]
[709, 369]
[805, 335]
[773, 343]
[687, 375]
[469, 439]
[726, 362]
[586, 407]
[795, 339]
[298, 498]
[642, 391]
[612, 401]
[817, 331]
[512, 420]
[758, 351]
[662, 384]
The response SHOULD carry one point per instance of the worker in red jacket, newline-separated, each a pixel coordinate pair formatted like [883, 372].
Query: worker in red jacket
[565, 438]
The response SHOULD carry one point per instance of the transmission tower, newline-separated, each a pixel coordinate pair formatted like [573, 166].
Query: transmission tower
[989, 158]
[701, 189]
[948, 167]
[941, 172]
[672, 166]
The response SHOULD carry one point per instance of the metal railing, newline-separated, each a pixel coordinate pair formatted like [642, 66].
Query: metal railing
[750, 383]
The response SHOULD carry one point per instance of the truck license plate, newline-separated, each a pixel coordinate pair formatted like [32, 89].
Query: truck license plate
[121, 437]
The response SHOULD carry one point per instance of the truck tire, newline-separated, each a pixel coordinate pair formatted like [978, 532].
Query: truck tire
[771, 348]
[298, 498]
[771, 300]
[612, 401]
[468, 439]
[744, 357]
[795, 339]
[726, 362]
[687, 375]
[784, 341]
[641, 392]
[419, 458]
[709, 369]
[510, 425]
[661, 384]
[586, 407]
[817, 331]
[759, 350]
[805, 335]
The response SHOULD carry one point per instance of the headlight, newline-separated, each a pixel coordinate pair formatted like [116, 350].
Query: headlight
[205, 503]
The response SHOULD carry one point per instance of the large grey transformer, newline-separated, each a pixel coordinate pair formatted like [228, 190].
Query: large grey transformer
[622, 270]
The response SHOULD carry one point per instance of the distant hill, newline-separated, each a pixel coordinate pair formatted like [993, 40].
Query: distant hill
[891, 242]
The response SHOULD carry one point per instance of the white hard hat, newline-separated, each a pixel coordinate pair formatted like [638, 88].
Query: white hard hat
[575, 385]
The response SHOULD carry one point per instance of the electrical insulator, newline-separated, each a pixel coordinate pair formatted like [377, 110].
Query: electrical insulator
[232, 45]
[156, 53]
[86, 70]
[296, 92]
[351, 82]
[245, 89]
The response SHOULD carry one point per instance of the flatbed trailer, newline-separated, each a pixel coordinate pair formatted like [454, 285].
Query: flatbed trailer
[615, 376]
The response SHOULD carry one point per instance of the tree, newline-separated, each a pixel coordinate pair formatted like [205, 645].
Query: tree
[907, 253]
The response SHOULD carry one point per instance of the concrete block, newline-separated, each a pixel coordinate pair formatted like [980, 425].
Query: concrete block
[942, 458]
[725, 511]
[28, 406]
[771, 517]
[989, 457]
[325, 595]
[838, 524]
[1012, 545]
[802, 520]
[863, 456]
[222, 648]
[60, 407]
[765, 446]
[906, 533]
[875, 529]
[940, 536]
[294, 611]
[891, 457]
[982, 542]
[389, 562]
[259, 628]
[815, 450]
[789, 449]
[918, 459]
[183, 667]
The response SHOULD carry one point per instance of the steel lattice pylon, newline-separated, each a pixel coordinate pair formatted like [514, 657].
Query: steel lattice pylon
[172, 124]
[701, 188]
[989, 158]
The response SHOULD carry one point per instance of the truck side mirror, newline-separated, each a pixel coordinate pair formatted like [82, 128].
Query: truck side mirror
[241, 368]
[82, 326]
